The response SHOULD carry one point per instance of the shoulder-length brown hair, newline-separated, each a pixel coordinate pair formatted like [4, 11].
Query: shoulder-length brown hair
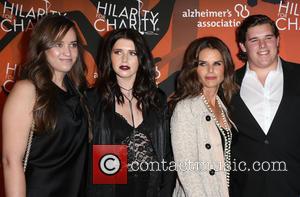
[188, 84]
[46, 33]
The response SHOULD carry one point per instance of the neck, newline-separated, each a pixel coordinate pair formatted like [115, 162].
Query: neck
[210, 95]
[268, 68]
[125, 84]
[125, 89]
[58, 80]
[262, 72]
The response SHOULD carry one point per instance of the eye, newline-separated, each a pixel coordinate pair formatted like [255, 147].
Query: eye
[201, 63]
[218, 63]
[117, 52]
[133, 53]
[253, 40]
[59, 44]
[269, 37]
[74, 45]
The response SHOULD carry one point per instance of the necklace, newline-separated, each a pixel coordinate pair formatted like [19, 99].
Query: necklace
[130, 107]
[227, 138]
[126, 88]
[133, 147]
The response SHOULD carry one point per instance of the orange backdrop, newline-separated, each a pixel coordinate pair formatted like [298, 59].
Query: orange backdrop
[168, 26]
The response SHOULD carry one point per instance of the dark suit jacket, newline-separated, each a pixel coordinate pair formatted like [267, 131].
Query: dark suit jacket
[278, 152]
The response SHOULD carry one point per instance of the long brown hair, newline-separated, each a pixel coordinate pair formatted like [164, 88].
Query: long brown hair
[188, 84]
[46, 33]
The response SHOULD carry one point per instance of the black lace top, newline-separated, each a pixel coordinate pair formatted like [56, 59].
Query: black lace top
[140, 153]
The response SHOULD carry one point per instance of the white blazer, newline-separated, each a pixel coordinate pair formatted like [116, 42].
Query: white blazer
[198, 151]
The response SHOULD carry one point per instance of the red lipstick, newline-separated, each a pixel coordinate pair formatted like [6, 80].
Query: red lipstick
[124, 67]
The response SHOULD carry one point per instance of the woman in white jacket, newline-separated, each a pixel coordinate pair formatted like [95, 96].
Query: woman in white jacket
[200, 126]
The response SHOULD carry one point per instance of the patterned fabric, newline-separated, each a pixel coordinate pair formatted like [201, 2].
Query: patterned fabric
[140, 150]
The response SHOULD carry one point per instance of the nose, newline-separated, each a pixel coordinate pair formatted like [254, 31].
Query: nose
[210, 68]
[262, 43]
[66, 50]
[124, 57]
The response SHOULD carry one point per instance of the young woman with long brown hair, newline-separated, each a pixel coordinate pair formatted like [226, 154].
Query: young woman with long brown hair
[48, 101]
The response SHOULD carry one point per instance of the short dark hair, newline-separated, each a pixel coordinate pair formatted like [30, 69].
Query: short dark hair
[252, 21]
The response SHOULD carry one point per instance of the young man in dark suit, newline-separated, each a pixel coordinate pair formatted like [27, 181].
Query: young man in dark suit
[266, 110]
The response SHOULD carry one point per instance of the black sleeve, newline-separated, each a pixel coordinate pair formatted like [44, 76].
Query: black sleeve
[168, 177]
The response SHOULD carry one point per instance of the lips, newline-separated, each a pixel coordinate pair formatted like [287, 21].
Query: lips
[263, 52]
[210, 78]
[124, 67]
[66, 60]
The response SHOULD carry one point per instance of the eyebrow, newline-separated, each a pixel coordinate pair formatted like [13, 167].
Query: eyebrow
[214, 61]
[257, 37]
[61, 41]
[124, 49]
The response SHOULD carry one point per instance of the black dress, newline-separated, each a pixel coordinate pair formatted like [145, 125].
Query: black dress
[57, 160]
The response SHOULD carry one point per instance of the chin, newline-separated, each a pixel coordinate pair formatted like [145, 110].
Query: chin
[265, 64]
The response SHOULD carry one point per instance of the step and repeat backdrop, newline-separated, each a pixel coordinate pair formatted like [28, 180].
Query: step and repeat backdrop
[168, 26]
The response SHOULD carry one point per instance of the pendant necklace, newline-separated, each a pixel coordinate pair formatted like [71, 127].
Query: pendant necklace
[133, 124]
[125, 88]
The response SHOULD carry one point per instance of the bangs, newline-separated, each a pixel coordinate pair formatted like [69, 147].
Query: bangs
[59, 33]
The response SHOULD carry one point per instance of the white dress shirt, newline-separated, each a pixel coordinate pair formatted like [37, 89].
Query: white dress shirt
[263, 101]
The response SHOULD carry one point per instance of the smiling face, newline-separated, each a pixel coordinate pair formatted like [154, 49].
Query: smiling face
[63, 54]
[210, 69]
[124, 60]
[261, 46]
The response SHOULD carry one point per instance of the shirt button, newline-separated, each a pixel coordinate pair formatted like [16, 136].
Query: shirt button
[207, 118]
[212, 172]
[207, 146]
[266, 142]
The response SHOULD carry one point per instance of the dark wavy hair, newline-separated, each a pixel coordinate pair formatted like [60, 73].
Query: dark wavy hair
[188, 84]
[252, 21]
[144, 87]
[47, 32]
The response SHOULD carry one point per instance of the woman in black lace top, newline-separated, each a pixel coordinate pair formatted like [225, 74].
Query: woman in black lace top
[129, 109]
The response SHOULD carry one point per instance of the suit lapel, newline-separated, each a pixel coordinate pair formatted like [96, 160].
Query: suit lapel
[288, 88]
[243, 114]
